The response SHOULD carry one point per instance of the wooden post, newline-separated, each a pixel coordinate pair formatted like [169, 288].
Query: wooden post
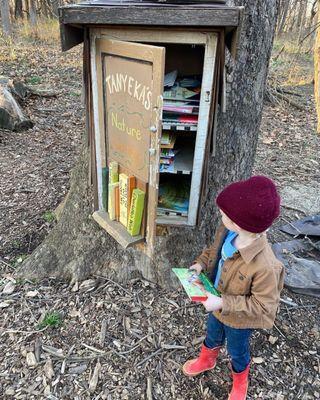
[317, 69]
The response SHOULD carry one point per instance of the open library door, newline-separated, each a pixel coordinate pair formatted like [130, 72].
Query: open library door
[127, 86]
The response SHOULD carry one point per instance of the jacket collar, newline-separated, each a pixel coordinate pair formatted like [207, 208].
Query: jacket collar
[248, 253]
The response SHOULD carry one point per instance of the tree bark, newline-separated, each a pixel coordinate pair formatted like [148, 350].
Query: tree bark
[33, 12]
[5, 17]
[77, 247]
[18, 9]
[317, 69]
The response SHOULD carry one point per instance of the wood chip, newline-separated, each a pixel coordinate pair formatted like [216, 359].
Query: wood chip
[95, 377]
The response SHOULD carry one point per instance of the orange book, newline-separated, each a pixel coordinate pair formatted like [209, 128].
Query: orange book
[131, 186]
[117, 203]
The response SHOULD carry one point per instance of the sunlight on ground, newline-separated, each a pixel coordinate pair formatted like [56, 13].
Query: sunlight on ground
[292, 62]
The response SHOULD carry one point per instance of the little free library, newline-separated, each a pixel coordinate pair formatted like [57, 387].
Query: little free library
[154, 78]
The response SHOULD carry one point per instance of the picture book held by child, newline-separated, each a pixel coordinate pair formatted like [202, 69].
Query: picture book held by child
[248, 277]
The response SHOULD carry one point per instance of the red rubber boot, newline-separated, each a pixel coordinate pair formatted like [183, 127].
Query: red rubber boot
[240, 385]
[206, 361]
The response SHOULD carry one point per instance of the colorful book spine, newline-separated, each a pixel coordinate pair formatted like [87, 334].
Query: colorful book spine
[113, 172]
[117, 203]
[112, 200]
[105, 173]
[131, 186]
[123, 190]
[136, 212]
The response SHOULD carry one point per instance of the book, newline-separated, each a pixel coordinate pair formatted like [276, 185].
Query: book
[112, 200]
[136, 212]
[131, 186]
[117, 202]
[113, 172]
[167, 140]
[105, 173]
[195, 285]
[174, 194]
[123, 199]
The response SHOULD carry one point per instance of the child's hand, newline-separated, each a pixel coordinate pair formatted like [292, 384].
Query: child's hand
[213, 303]
[196, 267]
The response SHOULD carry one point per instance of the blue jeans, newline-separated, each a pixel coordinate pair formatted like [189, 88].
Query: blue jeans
[237, 342]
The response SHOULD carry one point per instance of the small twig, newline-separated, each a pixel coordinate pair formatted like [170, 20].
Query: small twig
[7, 265]
[314, 245]
[115, 283]
[93, 348]
[149, 388]
[281, 333]
[148, 358]
[288, 302]
[137, 344]
[25, 332]
[103, 332]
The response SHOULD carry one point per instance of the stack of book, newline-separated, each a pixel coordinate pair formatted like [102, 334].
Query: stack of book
[181, 100]
[167, 153]
[125, 201]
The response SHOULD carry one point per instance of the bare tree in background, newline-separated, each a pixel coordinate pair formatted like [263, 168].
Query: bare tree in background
[18, 9]
[5, 17]
[33, 12]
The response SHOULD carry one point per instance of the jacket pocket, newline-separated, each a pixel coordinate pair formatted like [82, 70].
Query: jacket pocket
[241, 284]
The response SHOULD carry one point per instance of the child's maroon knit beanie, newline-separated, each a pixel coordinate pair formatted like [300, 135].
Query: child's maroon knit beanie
[252, 204]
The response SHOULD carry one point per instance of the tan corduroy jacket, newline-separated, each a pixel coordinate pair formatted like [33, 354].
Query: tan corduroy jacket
[250, 282]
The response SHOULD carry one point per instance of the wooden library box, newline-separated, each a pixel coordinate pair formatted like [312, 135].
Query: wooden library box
[154, 77]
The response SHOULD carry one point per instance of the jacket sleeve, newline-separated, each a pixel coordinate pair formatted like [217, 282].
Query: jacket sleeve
[212, 252]
[264, 297]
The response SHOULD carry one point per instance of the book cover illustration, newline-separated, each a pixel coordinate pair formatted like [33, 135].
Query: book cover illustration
[174, 195]
[195, 285]
[123, 190]
[136, 212]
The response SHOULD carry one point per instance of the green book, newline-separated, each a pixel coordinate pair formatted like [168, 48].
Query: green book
[136, 212]
[113, 172]
[105, 174]
[195, 285]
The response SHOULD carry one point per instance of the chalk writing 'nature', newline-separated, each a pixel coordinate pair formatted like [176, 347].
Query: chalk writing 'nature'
[122, 126]
[123, 83]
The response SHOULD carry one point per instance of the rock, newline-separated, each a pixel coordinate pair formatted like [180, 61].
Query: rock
[300, 197]
[48, 369]
[31, 359]
[9, 288]
[272, 339]
[32, 293]
[9, 392]
[257, 360]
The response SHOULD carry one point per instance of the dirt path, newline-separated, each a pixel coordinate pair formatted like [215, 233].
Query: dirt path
[149, 332]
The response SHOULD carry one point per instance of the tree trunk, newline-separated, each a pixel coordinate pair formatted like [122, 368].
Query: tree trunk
[77, 247]
[11, 115]
[283, 15]
[317, 69]
[5, 17]
[33, 12]
[18, 9]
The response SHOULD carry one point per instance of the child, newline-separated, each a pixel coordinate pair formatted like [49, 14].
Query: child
[246, 273]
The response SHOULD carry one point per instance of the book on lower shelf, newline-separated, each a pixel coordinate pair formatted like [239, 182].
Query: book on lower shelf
[136, 212]
[195, 285]
[174, 195]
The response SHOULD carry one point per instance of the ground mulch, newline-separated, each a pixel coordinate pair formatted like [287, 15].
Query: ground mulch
[128, 341]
